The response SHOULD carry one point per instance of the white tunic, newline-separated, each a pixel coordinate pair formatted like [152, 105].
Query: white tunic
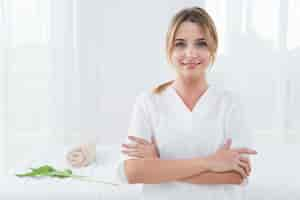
[181, 134]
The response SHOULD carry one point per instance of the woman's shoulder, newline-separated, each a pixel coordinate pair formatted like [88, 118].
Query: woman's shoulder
[150, 96]
[144, 96]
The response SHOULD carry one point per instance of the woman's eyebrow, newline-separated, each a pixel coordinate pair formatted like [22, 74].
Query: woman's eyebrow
[200, 39]
[179, 39]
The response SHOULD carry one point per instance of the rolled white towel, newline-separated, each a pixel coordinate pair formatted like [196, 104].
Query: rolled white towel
[82, 156]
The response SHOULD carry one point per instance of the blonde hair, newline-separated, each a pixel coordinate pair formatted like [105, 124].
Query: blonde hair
[203, 19]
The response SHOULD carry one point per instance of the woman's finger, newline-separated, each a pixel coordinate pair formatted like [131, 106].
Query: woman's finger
[240, 171]
[132, 146]
[138, 140]
[245, 151]
[227, 144]
[134, 154]
[246, 160]
[130, 151]
[245, 167]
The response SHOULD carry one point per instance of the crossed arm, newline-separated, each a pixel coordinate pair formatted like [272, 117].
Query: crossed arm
[214, 178]
[149, 150]
[195, 171]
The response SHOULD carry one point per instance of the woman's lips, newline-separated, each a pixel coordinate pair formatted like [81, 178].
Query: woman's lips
[191, 65]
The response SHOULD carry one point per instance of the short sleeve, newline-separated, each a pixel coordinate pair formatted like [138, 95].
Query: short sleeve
[236, 126]
[139, 126]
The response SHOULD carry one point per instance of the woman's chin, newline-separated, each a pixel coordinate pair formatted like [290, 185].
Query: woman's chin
[194, 71]
[192, 75]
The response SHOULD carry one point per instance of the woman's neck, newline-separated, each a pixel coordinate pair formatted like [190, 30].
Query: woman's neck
[190, 87]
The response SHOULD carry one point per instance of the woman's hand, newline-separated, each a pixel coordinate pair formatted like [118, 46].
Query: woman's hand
[142, 148]
[226, 159]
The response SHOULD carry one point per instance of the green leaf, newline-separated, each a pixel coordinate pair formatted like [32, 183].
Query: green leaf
[27, 174]
[43, 169]
[40, 171]
[61, 174]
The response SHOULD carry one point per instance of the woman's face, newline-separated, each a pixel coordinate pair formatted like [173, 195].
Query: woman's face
[190, 54]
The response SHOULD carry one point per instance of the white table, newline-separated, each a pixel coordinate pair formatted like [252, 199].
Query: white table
[15, 188]
[275, 176]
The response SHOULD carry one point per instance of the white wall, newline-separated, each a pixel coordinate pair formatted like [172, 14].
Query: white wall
[132, 59]
[2, 113]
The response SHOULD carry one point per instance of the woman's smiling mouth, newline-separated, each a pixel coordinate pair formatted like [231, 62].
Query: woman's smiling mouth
[191, 65]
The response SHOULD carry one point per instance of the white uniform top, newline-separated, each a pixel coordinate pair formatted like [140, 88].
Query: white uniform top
[182, 134]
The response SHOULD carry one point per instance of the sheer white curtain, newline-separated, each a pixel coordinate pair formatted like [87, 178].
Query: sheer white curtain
[75, 84]
[49, 94]
[259, 58]
[3, 87]
[250, 62]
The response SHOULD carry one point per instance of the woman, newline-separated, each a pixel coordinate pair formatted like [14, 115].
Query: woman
[186, 137]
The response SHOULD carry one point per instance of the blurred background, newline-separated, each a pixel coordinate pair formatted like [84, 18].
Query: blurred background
[70, 69]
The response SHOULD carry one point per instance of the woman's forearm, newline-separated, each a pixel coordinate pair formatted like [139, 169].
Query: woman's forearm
[214, 178]
[154, 171]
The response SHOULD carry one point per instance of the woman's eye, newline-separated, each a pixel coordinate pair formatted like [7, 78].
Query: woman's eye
[201, 44]
[179, 44]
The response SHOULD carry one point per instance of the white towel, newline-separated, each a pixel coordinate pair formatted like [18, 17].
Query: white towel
[82, 156]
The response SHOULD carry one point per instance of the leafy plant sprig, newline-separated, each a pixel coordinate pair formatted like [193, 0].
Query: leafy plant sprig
[49, 171]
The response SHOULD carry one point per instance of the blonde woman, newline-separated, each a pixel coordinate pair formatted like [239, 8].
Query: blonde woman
[187, 138]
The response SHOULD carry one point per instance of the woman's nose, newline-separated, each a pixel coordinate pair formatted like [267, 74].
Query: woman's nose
[190, 52]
